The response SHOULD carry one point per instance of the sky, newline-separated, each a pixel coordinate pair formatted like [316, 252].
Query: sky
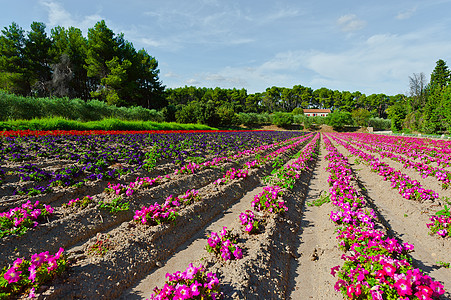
[349, 45]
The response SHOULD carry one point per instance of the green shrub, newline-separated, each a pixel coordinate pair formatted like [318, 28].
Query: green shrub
[282, 119]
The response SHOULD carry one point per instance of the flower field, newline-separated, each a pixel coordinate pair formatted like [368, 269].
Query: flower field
[223, 214]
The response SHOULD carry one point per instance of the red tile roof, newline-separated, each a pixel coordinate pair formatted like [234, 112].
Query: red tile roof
[317, 111]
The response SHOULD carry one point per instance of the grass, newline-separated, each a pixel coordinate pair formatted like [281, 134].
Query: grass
[323, 198]
[58, 123]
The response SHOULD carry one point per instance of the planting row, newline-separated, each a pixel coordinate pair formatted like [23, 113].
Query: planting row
[407, 188]
[376, 266]
[393, 152]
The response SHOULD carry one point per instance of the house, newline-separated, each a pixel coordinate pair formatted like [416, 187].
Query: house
[316, 112]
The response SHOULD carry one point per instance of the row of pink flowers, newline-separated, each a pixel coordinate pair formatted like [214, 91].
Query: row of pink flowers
[224, 245]
[416, 148]
[376, 266]
[407, 188]
[388, 150]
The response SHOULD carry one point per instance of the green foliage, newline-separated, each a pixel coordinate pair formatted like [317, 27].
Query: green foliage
[323, 198]
[226, 116]
[116, 205]
[186, 114]
[14, 107]
[339, 119]
[379, 123]
[446, 212]
[105, 124]
[361, 117]
[298, 111]
[282, 119]
[397, 113]
[413, 121]
[151, 159]
[104, 65]
[445, 265]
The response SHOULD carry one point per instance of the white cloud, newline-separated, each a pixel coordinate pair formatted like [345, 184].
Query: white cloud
[383, 60]
[171, 75]
[406, 14]
[282, 14]
[230, 81]
[192, 81]
[350, 22]
[59, 16]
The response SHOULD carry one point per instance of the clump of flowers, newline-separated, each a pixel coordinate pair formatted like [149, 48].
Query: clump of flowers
[268, 200]
[251, 225]
[189, 197]
[441, 223]
[157, 214]
[232, 174]
[19, 219]
[25, 276]
[82, 203]
[193, 283]
[224, 245]
[129, 189]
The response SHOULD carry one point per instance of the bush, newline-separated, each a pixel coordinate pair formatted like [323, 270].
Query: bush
[379, 123]
[298, 111]
[282, 119]
[339, 119]
[226, 116]
[187, 114]
[361, 117]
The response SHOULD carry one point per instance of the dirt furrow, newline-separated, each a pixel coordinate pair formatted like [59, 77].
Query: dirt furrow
[317, 247]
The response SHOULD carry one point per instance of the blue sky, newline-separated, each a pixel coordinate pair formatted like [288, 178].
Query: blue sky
[348, 45]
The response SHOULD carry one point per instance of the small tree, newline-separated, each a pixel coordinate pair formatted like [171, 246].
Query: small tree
[397, 113]
[282, 119]
[361, 116]
[339, 119]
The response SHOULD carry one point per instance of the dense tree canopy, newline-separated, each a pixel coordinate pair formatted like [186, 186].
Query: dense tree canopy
[104, 65]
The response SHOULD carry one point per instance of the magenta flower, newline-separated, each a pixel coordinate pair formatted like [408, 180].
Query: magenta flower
[191, 271]
[194, 289]
[12, 275]
[17, 262]
[32, 270]
[32, 294]
[238, 253]
[403, 287]
[182, 292]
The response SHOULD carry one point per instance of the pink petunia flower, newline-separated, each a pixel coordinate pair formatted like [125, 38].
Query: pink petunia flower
[12, 275]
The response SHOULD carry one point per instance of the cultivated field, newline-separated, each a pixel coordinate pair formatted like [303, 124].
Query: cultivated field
[237, 215]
